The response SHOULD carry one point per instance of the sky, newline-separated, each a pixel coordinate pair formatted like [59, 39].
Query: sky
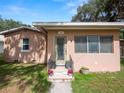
[29, 11]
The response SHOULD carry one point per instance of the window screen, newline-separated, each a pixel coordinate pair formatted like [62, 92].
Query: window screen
[80, 44]
[106, 44]
[25, 44]
[93, 44]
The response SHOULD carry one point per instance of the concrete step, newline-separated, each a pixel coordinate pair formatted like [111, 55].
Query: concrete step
[60, 74]
[60, 64]
[60, 67]
[59, 80]
[64, 70]
[60, 77]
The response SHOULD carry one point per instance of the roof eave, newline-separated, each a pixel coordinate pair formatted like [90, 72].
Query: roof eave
[18, 28]
[79, 25]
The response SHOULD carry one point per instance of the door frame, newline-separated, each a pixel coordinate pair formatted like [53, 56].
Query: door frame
[65, 47]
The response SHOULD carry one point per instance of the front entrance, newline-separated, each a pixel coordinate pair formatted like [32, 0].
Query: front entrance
[60, 49]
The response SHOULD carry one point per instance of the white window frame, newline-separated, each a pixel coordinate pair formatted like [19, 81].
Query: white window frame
[22, 44]
[99, 43]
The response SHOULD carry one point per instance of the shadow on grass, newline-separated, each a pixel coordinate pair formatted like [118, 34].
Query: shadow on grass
[28, 75]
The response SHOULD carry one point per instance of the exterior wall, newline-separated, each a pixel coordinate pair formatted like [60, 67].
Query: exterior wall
[96, 62]
[37, 47]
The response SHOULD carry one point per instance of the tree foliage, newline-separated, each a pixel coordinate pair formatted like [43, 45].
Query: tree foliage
[9, 23]
[100, 10]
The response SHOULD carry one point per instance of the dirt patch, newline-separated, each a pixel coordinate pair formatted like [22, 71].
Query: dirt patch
[11, 89]
[20, 88]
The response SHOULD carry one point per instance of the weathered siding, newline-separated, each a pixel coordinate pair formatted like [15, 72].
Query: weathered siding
[37, 52]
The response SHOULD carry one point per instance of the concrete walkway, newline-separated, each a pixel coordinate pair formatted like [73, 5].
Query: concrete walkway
[61, 87]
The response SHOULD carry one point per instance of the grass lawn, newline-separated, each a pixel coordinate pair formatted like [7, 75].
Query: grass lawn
[99, 82]
[23, 78]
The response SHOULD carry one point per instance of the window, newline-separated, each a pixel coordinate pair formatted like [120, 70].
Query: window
[80, 44]
[93, 43]
[106, 44]
[25, 45]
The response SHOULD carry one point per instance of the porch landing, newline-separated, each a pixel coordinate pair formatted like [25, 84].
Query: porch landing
[60, 74]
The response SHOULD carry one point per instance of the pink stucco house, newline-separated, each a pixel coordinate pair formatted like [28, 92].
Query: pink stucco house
[92, 45]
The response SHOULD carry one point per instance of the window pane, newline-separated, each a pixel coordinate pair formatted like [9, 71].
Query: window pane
[93, 44]
[25, 41]
[106, 44]
[80, 44]
[25, 47]
[25, 44]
